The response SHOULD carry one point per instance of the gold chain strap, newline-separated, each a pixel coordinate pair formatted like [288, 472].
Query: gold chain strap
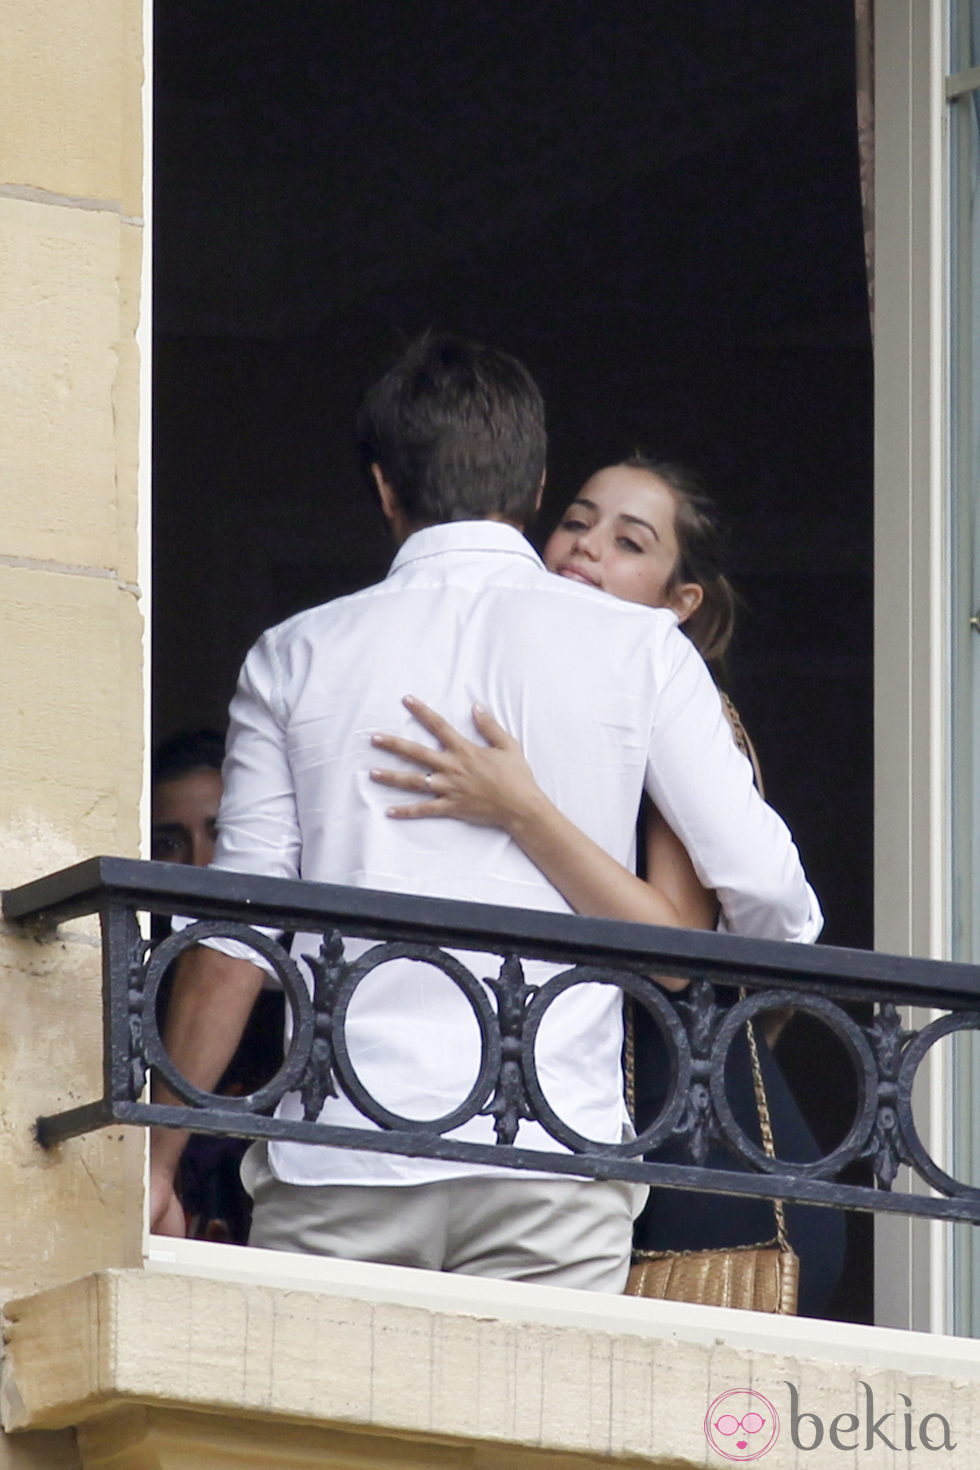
[761, 1102]
[743, 742]
[765, 1126]
[629, 1059]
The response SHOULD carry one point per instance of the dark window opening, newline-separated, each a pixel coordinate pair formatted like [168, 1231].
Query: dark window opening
[655, 206]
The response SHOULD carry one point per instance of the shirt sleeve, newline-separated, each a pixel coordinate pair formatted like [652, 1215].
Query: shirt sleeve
[258, 824]
[703, 787]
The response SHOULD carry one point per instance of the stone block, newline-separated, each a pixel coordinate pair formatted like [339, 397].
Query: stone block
[69, 386]
[70, 721]
[132, 78]
[69, 97]
[78, 1206]
[126, 403]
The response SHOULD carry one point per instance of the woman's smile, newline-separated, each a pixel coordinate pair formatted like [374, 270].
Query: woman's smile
[577, 573]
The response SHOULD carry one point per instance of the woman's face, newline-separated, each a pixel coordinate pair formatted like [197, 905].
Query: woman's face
[619, 535]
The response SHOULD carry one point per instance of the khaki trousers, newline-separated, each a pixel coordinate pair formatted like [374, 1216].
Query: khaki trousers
[559, 1232]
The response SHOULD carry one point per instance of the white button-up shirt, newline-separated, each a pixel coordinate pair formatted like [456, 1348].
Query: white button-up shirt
[606, 698]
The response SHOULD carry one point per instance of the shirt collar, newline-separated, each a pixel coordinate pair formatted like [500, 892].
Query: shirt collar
[454, 536]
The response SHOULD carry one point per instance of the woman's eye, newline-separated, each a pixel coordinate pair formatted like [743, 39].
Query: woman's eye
[629, 544]
[571, 524]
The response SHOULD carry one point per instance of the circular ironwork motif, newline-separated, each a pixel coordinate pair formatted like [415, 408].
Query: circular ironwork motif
[656, 1004]
[289, 1075]
[913, 1057]
[486, 1019]
[859, 1051]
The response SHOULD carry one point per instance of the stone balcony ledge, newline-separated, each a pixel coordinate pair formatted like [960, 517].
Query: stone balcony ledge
[222, 1357]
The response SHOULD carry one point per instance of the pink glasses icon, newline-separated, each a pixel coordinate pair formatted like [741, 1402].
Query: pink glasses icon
[741, 1424]
[749, 1423]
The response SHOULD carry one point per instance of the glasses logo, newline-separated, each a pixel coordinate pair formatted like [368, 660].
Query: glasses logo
[741, 1425]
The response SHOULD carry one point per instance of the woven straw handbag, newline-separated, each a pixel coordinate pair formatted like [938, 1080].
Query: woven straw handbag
[760, 1278]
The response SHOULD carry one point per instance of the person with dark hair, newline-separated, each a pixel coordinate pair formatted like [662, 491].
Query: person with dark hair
[710, 622]
[454, 432]
[607, 698]
[185, 793]
[642, 530]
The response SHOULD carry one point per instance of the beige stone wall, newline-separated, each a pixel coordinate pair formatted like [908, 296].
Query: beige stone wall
[71, 626]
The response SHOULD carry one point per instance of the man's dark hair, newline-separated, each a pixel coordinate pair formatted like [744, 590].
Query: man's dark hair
[458, 432]
[187, 751]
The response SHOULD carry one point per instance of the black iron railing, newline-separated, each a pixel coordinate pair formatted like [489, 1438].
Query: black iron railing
[697, 1030]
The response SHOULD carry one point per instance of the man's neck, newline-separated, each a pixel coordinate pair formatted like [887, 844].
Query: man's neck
[404, 528]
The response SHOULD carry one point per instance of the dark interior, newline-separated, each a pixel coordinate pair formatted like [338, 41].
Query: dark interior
[654, 203]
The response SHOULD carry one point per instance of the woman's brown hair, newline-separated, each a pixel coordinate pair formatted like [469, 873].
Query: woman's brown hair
[701, 551]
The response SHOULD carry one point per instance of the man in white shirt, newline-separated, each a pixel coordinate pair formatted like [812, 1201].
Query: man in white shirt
[606, 698]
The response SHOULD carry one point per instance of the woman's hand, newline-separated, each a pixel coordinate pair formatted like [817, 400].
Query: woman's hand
[489, 785]
[492, 785]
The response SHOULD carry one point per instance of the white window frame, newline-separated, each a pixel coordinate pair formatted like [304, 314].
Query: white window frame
[912, 571]
[144, 491]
